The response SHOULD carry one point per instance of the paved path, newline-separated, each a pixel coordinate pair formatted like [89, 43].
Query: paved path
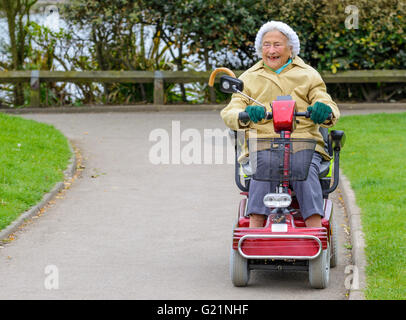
[129, 229]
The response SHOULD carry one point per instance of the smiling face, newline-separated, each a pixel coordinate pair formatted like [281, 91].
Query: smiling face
[275, 49]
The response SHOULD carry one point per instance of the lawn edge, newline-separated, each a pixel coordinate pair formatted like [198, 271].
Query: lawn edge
[357, 239]
[68, 173]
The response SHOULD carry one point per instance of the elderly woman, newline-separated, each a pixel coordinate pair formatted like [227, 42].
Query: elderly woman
[282, 72]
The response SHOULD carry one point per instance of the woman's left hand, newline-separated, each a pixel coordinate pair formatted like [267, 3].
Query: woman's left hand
[319, 112]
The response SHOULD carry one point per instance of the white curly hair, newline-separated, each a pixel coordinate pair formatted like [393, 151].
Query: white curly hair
[293, 39]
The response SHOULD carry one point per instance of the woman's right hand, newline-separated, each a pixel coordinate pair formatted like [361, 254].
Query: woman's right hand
[256, 113]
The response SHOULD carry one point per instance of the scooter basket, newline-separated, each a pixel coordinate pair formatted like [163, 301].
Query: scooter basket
[278, 159]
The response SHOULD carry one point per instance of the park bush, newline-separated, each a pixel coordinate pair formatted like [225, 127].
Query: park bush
[331, 44]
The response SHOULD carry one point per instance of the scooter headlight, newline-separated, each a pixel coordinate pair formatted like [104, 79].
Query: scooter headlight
[277, 200]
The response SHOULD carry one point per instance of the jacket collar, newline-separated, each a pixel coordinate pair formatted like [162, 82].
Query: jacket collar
[297, 61]
[264, 72]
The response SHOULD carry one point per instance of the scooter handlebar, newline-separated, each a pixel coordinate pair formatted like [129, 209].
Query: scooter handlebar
[244, 116]
[307, 114]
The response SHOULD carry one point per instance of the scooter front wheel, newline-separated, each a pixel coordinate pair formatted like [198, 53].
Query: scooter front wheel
[239, 270]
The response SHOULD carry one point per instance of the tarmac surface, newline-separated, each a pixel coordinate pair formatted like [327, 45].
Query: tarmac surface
[128, 228]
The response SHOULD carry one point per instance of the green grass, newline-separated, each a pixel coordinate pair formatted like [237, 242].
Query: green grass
[33, 157]
[374, 159]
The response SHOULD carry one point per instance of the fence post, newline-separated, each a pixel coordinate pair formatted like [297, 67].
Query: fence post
[35, 89]
[212, 94]
[158, 88]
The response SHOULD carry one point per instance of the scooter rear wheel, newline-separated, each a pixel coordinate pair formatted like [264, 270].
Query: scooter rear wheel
[319, 270]
[334, 242]
[239, 271]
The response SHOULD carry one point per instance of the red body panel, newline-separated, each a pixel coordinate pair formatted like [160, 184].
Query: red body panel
[280, 246]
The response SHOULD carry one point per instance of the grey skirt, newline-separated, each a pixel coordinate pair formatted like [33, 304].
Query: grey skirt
[308, 192]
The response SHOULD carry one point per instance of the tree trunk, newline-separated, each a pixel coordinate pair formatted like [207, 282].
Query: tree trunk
[98, 41]
[11, 13]
[180, 68]
[17, 9]
[212, 92]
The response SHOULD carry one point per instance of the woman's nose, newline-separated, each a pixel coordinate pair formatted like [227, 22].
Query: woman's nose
[271, 49]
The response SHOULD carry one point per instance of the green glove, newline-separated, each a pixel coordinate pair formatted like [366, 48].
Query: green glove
[320, 112]
[256, 113]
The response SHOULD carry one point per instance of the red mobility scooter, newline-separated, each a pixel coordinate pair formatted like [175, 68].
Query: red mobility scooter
[284, 242]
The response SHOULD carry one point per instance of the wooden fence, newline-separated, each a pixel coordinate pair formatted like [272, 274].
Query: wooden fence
[161, 77]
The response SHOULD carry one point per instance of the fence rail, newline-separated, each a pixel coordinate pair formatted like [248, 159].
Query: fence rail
[160, 77]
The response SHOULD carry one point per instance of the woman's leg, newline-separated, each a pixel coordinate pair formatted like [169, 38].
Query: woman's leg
[309, 194]
[257, 220]
[314, 221]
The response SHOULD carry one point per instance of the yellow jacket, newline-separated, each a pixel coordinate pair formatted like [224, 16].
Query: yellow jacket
[298, 80]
